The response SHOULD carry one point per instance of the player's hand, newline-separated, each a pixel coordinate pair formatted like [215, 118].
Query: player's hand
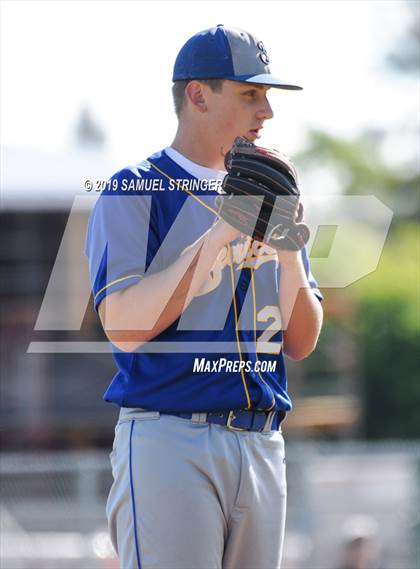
[224, 232]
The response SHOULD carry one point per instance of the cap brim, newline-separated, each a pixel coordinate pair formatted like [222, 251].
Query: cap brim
[266, 79]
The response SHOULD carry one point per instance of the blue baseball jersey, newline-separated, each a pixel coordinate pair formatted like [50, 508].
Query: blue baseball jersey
[225, 350]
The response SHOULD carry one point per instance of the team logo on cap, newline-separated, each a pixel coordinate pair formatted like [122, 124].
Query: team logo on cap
[262, 54]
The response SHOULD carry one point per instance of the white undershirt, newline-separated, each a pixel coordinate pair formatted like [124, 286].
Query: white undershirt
[196, 170]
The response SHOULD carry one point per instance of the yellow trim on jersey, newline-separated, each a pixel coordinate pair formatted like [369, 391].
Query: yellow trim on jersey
[114, 282]
[273, 401]
[236, 327]
[180, 186]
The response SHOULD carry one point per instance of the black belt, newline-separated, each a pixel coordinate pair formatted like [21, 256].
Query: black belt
[241, 420]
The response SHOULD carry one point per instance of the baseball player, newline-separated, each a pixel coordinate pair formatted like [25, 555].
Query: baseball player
[201, 314]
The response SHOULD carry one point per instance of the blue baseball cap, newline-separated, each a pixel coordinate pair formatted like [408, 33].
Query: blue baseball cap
[226, 53]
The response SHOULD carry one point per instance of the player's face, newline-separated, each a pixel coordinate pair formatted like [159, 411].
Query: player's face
[239, 109]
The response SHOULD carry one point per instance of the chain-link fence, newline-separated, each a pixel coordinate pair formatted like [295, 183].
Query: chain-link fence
[53, 507]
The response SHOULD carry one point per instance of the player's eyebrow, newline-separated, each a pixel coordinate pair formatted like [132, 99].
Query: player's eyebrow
[251, 86]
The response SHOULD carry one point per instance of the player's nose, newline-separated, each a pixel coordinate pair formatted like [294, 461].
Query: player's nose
[265, 112]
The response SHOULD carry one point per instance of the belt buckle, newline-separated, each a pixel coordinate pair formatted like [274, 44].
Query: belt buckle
[232, 417]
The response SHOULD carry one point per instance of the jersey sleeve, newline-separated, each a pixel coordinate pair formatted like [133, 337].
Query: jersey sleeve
[122, 237]
[311, 278]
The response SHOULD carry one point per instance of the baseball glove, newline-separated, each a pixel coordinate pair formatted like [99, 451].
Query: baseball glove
[261, 196]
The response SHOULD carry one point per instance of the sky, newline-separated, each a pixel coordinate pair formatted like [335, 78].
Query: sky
[117, 58]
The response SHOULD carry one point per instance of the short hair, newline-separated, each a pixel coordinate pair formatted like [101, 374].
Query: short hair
[178, 91]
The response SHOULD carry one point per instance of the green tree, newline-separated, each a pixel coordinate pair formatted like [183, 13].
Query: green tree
[385, 319]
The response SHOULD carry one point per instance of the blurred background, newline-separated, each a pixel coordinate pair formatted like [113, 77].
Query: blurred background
[85, 90]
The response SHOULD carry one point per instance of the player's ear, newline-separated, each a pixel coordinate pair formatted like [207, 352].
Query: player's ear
[194, 93]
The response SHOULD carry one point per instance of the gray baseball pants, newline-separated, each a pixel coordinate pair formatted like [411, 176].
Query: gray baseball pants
[192, 495]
